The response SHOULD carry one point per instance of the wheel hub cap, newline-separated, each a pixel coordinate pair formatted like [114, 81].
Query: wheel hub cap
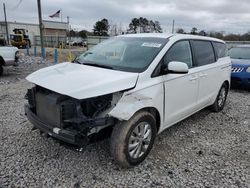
[139, 140]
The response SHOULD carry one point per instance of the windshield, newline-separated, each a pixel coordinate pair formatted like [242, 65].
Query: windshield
[123, 53]
[239, 53]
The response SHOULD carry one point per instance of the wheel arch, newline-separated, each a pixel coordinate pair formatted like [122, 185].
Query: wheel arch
[227, 83]
[152, 110]
[155, 113]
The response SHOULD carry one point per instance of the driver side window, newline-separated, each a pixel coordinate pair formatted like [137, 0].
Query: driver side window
[181, 52]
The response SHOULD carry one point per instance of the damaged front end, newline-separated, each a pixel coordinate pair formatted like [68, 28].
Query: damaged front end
[68, 119]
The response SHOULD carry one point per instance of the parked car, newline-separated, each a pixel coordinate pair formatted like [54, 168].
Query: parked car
[78, 42]
[9, 55]
[134, 86]
[240, 56]
[73, 43]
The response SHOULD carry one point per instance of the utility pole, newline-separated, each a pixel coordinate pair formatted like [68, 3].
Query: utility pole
[173, 27]
[61, 15]
[40, 23]
[6, 24]
[69, 37]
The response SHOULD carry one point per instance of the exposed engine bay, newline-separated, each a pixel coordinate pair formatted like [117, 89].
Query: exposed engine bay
[83, 117]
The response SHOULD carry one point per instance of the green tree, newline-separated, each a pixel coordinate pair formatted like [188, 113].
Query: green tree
[180, 30]
[84, 33]
[155, 26]
[72, 33]
[232, 37]
[101, 28]
[215, 34]
[134, 24]
[194, 31]
[245, 37]
[143, 25]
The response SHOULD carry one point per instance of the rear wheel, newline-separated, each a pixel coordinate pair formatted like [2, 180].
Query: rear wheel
[131, 141]
[221, 99]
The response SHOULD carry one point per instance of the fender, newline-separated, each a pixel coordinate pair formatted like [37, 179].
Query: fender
[132, 102]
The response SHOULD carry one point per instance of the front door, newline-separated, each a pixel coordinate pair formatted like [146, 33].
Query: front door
[181, 90]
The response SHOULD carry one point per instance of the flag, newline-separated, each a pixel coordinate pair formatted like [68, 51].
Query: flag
[56, 15]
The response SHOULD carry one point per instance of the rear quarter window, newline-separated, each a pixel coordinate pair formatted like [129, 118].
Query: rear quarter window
[220, 49]
[204, 52]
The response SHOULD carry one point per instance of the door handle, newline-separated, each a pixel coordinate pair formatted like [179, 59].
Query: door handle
[192, 78]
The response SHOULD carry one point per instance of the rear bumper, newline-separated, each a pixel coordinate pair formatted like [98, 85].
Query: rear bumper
[71, 137]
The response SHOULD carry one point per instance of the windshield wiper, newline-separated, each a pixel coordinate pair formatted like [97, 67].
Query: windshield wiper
[98, 65]
[77, 61]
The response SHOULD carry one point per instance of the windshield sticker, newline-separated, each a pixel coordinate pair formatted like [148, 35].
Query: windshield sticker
[152, 45]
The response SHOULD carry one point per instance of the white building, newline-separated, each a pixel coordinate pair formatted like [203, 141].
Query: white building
[50, 29]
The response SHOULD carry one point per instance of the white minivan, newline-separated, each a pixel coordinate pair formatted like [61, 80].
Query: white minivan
[131, 86]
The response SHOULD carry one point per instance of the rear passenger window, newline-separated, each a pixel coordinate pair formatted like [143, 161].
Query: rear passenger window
[220, 49]
[181, 52]
[204, 53]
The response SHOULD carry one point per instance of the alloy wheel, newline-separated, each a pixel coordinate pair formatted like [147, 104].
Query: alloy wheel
[139, 140]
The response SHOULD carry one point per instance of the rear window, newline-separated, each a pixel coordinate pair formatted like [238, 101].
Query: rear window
[204, 53]
[220, 49]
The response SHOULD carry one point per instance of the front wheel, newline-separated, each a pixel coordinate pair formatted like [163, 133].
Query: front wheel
[221, 99]
[131, 141]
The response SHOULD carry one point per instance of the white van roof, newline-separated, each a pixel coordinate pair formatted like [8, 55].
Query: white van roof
[175, 36]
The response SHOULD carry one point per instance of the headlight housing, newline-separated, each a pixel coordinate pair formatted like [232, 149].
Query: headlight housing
[248, 70]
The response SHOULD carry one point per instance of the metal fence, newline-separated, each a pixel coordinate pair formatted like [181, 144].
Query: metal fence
[51, 41]
[231, 44]
[94, 40]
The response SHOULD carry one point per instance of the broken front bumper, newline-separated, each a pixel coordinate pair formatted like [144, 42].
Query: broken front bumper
[69, 136]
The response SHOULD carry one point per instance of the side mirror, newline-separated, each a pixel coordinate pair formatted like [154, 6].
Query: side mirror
[177, 67]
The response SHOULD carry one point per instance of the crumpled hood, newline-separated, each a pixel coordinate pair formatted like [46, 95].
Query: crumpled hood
[82, 81]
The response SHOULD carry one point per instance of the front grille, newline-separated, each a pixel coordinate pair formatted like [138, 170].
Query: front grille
[68, 111]
[48, 108]
[237, 69]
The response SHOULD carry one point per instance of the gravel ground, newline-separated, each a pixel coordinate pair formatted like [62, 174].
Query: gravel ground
[205, 150]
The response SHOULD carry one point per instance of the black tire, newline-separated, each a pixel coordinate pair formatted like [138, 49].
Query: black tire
[1, 70]
[221, 98]
[16, 59]
[122, 135]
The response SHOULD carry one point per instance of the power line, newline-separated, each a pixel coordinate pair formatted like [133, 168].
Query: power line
[6, 23]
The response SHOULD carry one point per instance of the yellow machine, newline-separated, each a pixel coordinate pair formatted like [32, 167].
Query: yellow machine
[20, 39]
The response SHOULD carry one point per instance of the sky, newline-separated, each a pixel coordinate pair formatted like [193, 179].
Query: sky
[213, 15]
